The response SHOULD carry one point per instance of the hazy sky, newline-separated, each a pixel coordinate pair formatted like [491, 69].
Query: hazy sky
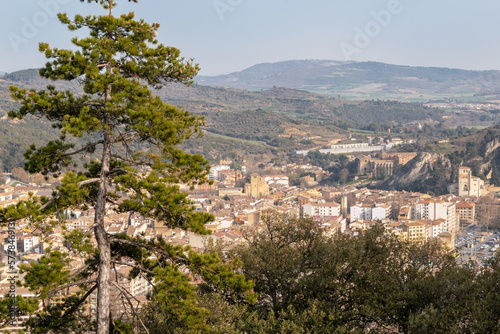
[230, 35]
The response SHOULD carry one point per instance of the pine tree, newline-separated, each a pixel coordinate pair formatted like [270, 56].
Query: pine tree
[118, 117]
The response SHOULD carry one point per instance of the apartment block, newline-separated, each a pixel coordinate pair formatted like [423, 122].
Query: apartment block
[330, 209]
[466, 212]
[435, 209]
[415, 231]
[370, 211]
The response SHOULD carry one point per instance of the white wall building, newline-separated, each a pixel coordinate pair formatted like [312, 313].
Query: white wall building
[214, 171]
[435, 228]
[362, 211]
[331, 209]
[277, 179]
[437, 209]
[347, 148]
[26, 241]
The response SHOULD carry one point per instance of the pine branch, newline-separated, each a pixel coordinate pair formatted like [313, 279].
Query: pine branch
[131, 161]
[151, 248]
[56, 197]
[124, 293]
[85, 148]
[71, 284]
[82, 269]
[140, 268]
[77, 304]
[133, 266]
[123, 170]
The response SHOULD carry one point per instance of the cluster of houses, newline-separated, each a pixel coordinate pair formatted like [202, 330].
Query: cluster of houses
[238, 201]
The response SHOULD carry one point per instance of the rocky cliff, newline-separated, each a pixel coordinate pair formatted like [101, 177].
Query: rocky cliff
[427, 172]
[491, 146]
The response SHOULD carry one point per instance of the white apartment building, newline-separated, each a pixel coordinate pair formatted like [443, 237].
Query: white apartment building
[362, 211]
[214, 171]
[5, 197]
[435, 209]
[350, 148]
[347, 148]
[435, 228]
[26, 241]
[331, 209]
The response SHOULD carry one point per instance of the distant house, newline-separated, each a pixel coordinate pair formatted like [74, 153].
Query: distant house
[413, 126]
[277, 179]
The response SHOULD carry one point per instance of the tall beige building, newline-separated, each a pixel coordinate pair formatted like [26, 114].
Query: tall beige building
[343, 205]
[466, 212]
[469, 185]
[414, 231]
[257, 186]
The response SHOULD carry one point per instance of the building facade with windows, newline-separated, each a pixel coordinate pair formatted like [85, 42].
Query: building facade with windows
[330, 209]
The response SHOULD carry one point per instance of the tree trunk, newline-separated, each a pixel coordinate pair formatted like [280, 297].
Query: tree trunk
[103, 294]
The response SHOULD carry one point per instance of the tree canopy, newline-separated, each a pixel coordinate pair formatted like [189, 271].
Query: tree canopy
[309, 282]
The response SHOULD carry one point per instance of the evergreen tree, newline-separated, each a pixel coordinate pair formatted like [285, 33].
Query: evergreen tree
[309, 282]
[134, 132]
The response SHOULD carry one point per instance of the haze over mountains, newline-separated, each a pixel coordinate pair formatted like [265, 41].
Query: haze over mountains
[365, 80]
[252, 121]
[258, 119]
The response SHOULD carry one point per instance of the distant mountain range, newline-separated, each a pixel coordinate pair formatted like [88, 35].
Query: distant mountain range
[238, 120]
[244, 123]
[366, 80]
[293, 103]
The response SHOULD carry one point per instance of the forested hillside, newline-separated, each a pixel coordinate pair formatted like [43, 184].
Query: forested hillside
[15, 135]
[238, 121]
